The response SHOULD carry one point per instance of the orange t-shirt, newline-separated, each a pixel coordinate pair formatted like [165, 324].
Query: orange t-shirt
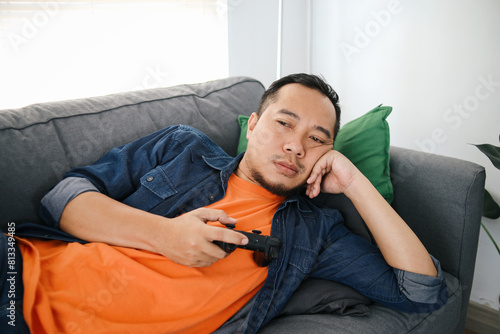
[98, 288]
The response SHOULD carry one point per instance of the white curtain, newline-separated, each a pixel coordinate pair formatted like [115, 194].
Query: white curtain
[55, 50]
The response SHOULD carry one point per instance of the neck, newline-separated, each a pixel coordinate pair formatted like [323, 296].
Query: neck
[243, 175]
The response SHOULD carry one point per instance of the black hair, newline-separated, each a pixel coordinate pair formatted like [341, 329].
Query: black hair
[309, 80]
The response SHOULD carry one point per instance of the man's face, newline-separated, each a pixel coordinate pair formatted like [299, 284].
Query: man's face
[292, 133]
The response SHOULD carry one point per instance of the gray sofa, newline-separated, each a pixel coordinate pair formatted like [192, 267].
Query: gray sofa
[439, 197]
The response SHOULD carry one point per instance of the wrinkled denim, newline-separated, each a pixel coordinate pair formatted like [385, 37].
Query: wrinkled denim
[179, 169]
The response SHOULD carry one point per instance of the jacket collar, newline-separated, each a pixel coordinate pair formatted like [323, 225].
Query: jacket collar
[226, 165]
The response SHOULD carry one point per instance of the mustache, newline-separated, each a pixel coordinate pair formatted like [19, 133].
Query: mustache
[282, 158]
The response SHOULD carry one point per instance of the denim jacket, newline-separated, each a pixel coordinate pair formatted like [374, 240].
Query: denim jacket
[179, 169]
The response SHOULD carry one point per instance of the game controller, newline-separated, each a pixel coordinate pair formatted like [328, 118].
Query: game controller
[265, 248]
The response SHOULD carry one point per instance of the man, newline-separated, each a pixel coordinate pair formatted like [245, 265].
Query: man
[151, 210]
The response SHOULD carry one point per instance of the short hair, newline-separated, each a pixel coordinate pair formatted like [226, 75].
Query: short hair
[308, 80]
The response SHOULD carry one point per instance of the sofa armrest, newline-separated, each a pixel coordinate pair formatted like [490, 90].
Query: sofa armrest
[441, 199]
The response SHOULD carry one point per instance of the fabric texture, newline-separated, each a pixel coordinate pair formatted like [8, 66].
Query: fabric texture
[365, 141]
[324, 296]
[440, 198]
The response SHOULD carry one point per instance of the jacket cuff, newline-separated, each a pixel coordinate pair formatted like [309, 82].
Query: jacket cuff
[54, 202]
[422, 288]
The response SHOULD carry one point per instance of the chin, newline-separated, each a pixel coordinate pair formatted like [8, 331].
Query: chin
[277, 188]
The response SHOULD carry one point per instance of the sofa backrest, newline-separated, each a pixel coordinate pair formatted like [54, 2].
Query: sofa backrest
[40, 142]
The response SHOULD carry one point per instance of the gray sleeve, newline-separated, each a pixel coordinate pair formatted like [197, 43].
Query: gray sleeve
[54, 202]
[421, 288]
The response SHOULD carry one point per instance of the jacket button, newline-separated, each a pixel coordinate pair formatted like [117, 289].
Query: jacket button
[150, 178]
[211, 197]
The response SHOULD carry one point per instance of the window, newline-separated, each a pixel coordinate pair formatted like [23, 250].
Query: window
[55, 50]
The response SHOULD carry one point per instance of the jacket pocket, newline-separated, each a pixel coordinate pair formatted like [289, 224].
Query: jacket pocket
[158, 183]
[155, 187]
[303, 258]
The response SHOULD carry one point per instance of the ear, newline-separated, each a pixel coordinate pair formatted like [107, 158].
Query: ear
[252, 122]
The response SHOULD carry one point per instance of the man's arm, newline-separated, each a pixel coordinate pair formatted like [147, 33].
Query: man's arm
[186, 240]
[90, 207]
[401, 248]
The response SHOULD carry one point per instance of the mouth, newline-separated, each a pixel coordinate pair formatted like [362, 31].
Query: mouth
[286, 168]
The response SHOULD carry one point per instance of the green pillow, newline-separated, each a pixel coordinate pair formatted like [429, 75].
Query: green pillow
[242, 144]
[365, 141]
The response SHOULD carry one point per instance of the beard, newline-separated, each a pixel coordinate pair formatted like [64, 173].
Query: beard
[275, 188]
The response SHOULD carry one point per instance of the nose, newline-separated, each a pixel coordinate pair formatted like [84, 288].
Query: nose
[294, 147]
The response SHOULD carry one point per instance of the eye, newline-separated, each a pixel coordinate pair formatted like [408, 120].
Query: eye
[283, 123]
[319, 141]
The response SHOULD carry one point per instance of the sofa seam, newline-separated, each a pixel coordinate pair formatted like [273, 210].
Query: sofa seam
[137, 103]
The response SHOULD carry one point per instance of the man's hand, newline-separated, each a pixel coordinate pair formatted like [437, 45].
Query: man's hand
[188, 240]
[333, 173]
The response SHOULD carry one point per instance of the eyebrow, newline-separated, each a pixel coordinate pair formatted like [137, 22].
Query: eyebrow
[317, 127]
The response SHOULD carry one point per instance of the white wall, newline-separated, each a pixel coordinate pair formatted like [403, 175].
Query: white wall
[252, 39]
[436, 62]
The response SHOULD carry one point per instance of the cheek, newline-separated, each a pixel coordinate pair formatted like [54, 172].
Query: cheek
[313, 156]
[263, 138]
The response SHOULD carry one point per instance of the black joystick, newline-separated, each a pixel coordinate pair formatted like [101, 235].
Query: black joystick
[266, 248]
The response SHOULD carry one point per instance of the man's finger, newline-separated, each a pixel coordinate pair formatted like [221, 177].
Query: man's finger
[225, 235]
[211, 215]
[318, 170]
[314, 183]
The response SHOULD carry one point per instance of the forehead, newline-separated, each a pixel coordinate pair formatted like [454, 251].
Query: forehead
[309, 104]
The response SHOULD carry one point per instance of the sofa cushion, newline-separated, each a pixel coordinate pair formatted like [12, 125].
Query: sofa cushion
[41, 142]
[380, 320]
[366, 141]
[316, 295]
